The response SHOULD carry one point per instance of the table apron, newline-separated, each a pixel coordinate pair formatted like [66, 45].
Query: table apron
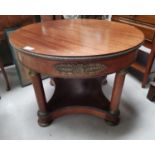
[84, 68]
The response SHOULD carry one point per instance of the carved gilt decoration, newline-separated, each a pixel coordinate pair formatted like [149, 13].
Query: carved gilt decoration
[80, 68]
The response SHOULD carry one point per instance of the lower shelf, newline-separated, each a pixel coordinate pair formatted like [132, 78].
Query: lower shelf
[138, 67]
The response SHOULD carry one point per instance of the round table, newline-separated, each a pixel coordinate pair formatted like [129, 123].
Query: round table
[78, 55]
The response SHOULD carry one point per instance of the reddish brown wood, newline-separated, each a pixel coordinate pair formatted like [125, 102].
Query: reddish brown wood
[80, 110]
[45, 18]
[146, 23]
[7, 21]
[77, 54]
[74, 38]
[77, 96]
[39, 91]
[51, 66]
[40, 96]
[5, 75]
[138, 67]
[84, 92]
[117, 91]
[149, 64]
[74, 96]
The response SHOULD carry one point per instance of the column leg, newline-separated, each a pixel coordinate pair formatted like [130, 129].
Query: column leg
[116, 95]
[41, 99]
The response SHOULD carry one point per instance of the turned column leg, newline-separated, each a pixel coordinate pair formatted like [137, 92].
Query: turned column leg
[41, 99]
[116, 95]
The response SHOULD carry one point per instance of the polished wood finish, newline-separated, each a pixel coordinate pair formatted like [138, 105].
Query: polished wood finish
[5, 75]
[40, 96]
[139, 67]
[117, 91]
[77, 67]
[38, 87]
[145, 23]
[7, 21]
[78, 55]
[10, 22]
[77, 38]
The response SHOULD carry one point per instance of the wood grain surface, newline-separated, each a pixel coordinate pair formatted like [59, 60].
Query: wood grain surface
[75, 38]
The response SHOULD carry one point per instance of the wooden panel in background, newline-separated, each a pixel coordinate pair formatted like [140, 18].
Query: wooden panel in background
[145, 23]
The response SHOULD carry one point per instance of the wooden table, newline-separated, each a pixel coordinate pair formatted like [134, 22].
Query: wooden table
[78, 55]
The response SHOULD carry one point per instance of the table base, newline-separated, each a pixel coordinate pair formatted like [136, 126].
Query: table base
[75, 96]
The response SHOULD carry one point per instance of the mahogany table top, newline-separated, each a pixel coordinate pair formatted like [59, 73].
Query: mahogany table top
[76, 38]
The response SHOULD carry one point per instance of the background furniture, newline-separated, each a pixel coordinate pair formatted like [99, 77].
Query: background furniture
[23, 72]
[44, 18]
[5, 75]
[151, 92]
[9, 23]
[145, 23]
[78, 54]
[58, 17]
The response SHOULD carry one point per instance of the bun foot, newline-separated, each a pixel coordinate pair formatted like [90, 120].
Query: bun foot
[112, 123]
[44, 124]
[43, 121]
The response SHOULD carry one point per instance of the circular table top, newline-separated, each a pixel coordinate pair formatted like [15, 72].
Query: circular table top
[76, 38]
